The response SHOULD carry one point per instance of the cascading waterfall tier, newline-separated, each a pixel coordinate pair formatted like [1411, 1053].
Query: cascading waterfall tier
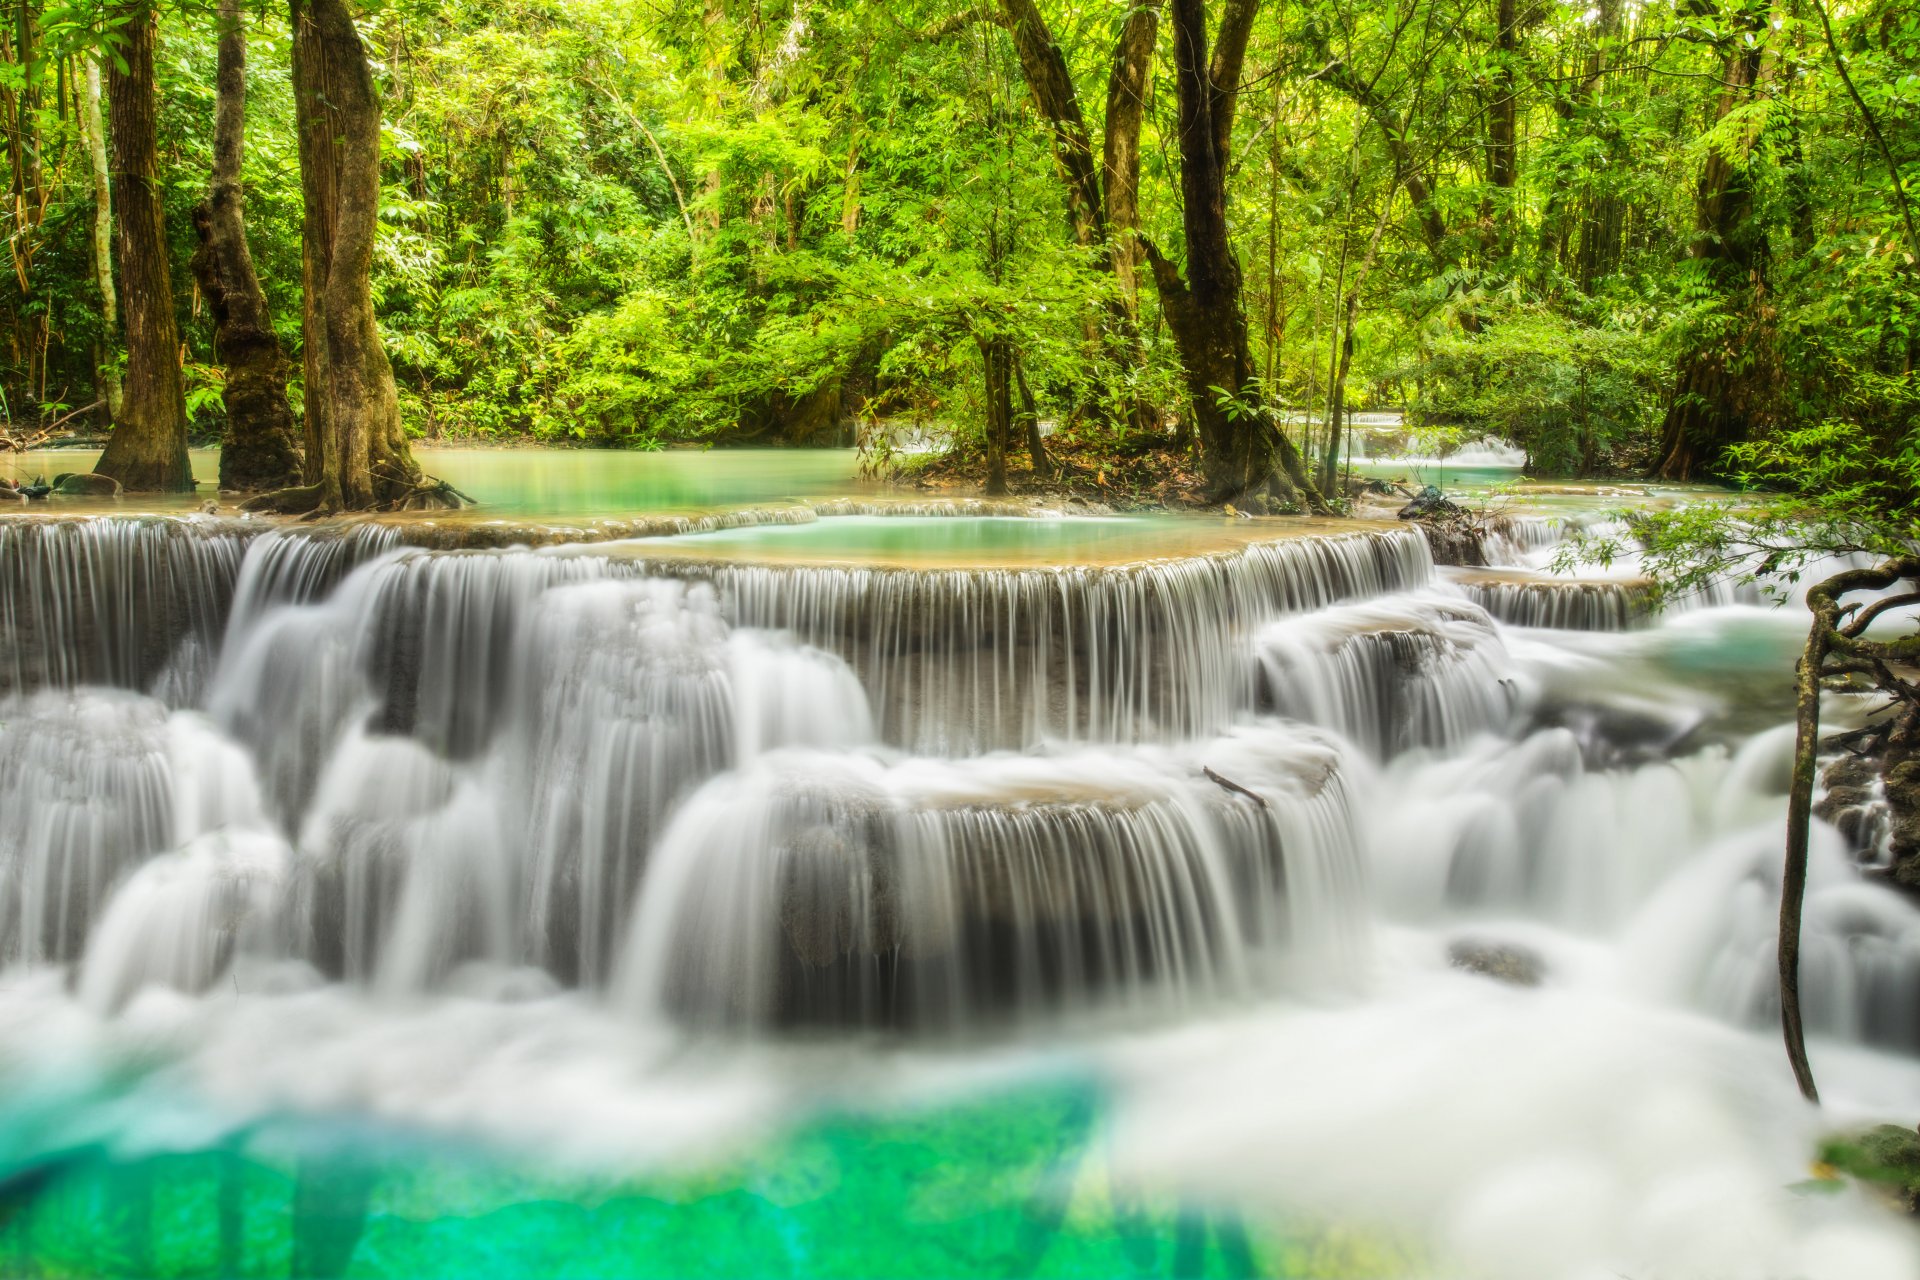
[836, 890]
[1565, 605]
[1422, 670]
[142, 602]
[113, 601]
[960, 661]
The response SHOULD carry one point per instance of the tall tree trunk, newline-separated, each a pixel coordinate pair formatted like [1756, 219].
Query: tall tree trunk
[148, 448]
[996, 353]
[1097, 190]
[1555, 220]
[258, 451]
[107, 364]
[1044, 68]
[1337, 393]
[1503, 125]
[1712, 401]
[1242, 450]
[357, 455]
[1030, 414]
[1120, 146]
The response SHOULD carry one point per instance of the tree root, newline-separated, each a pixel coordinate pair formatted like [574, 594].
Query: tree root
[312, 501]
[300, 500]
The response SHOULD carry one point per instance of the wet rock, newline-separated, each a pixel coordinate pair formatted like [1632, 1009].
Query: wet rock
[38, 489]
[1506, 962]
[86, 484]
[1852, 804]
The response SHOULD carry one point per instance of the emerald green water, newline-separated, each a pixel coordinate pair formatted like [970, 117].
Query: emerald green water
[1013, 1185]
[555, 482]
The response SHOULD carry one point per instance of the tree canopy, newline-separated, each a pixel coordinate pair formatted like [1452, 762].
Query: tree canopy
[1625, 236]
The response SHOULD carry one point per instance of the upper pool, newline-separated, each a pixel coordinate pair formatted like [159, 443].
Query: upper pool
[949, 541]
[573, 483]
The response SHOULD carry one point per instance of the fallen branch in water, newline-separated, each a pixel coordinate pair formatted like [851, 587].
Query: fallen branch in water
[1234, 787]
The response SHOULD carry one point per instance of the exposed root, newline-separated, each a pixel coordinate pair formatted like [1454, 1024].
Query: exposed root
[306, 499]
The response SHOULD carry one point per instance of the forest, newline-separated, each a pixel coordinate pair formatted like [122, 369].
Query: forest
[1675, 239]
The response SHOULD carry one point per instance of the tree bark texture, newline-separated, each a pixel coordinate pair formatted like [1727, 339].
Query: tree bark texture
[96, 130]
[259, 449]
[1120, 146]
[996, 353]
[148, 449]
[356, 453]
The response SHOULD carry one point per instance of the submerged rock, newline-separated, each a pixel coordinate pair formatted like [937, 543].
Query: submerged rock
[1506, 962]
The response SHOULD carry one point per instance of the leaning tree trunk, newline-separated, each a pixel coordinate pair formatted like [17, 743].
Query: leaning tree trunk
[1242, 450]
[1711, 406]
[148, 448]
[1840, 652]
[356, 452]
[259, 449]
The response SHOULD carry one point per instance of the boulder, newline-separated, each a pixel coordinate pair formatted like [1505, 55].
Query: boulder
[86, 484]
[1430, 504]
[1506, 962]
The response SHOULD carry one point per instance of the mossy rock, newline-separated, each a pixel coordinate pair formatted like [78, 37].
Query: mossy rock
[1886, 1157]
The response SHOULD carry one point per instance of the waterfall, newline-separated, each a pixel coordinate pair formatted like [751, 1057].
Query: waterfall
[1411, 671]
[750, 797]
[819, 889]
[114, 601]
[959, 661]
[1562, 605]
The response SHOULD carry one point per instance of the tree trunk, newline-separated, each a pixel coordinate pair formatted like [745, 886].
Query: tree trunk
[148, 448]
[1120, 147]
[1030, 413]
[1711, 407]
[1337, 394]
[1096, 190]
[996, 353]
[1242, 451]
[258, 450]
[1503, 128]
[1045, 69]
[357, 455]
[1793, 881]
[108, 369]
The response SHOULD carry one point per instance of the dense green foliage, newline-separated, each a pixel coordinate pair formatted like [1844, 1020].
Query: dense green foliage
[721, 221]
